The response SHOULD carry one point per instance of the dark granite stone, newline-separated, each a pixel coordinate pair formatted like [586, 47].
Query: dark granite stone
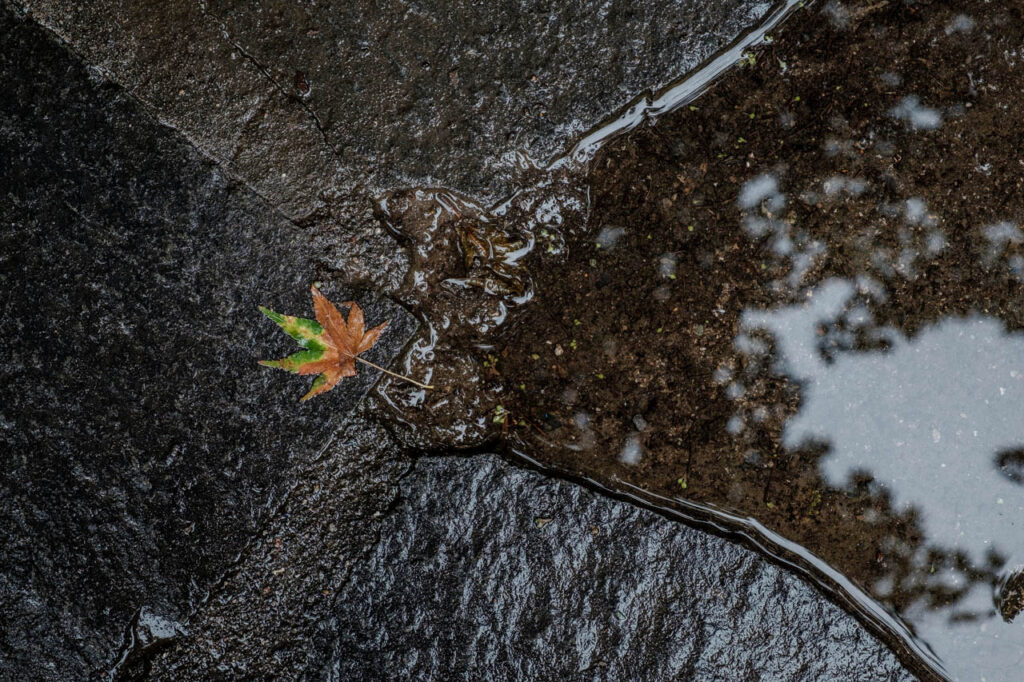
[141, 444]
[487, 571]
[304, 101]
[262, 622]
[169, 512]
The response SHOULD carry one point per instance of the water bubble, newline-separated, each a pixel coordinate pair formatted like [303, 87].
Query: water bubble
[609, 236]
[662, 293]
[840, 184]
[891, 78]
[961, 23]
[935, 243]
[632, 451]
[837, 14]
[916, 115]
[915, 211]
[998, 236]
[667, 265]
[762, 189]
[756, 226]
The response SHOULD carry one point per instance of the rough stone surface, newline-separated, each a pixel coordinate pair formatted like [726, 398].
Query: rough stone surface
[487, 571]
[263, 620]
[168, 512]
[141, 444]
[305, 100]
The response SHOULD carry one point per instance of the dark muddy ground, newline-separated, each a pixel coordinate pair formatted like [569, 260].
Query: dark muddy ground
[876, 142]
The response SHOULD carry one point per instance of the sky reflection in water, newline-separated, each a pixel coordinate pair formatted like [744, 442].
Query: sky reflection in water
[928, 418]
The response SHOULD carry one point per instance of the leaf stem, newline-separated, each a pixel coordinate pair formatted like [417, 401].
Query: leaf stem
[397, 376]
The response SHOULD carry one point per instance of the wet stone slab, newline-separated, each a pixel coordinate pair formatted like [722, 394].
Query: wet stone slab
[141, 444]
[264, 620]
[488, 571]
[304, 101]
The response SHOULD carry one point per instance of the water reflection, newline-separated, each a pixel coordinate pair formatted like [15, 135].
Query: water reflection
[930, 419]
[927, 418]
[807, 288]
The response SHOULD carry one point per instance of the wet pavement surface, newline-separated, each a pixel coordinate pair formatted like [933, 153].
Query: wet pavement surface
[789, 308]
[305, 102]
[269, 617]
[142, 445]
[485, 570]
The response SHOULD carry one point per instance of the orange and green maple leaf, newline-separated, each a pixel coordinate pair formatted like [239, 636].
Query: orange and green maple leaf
[331, 343]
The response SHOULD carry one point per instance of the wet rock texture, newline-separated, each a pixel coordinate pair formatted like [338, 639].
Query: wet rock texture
[142, 445]
[487, 571]
[168, 512]
[267, 615]
[295, 97]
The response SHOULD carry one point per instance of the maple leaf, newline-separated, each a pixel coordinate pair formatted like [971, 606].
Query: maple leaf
[331, 343]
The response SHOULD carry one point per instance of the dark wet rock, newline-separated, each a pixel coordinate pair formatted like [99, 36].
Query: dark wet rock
[142, 446]
[262, 621]
[168, 511]
[294, 98]
[487, 571]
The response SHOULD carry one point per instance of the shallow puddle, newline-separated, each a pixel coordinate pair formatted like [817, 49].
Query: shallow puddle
[796, 300]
